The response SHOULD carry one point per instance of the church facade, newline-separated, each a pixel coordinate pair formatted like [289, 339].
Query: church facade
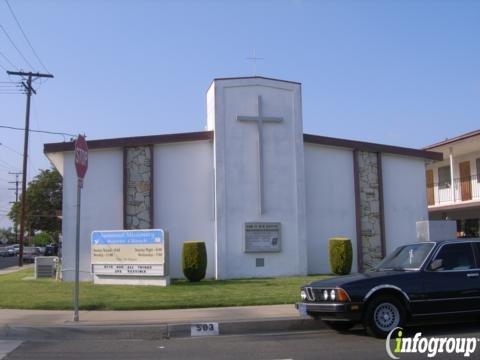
[263, 195]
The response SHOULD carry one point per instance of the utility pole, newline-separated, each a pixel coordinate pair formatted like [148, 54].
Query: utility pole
[28, 86]
[16, 182]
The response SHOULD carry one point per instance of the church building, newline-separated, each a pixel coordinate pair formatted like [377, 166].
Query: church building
[263, 195]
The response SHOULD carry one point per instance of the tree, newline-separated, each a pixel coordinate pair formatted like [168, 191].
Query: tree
[42, 239]
[44, 200]
[7, 236]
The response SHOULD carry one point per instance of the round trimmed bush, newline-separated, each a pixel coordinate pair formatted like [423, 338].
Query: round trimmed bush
[194, 260]
[341, 255]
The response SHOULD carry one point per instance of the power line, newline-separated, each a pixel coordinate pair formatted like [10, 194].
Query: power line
[8, 60]
[11, 91]
[25, 36]
[38, 131]
[9, 148]
[9, 87]
[9, 168]
[8, 164]
[16, 48]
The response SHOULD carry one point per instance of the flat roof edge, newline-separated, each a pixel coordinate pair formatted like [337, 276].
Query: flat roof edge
[209, 135]
[373, 147]
[454, 139]
[256, 77]
[131, 141]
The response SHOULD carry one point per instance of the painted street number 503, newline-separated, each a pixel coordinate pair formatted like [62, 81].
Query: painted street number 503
[204, 329]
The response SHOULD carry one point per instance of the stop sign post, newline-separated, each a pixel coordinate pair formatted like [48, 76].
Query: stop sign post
[81, 166]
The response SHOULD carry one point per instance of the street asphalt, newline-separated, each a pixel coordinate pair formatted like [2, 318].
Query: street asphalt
[322, 344]
[6, 262]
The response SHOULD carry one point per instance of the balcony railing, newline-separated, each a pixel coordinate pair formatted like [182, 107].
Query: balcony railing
[463, 189]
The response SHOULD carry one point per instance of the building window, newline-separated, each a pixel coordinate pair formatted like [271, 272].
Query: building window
[478, 170]
[444, 180]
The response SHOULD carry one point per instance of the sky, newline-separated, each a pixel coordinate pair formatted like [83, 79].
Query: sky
[399, 72]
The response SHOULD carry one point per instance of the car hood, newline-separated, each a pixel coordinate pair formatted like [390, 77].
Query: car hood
[339, 281]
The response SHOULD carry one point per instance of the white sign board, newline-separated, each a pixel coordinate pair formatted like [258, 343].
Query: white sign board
[134, 257]
[128, 247]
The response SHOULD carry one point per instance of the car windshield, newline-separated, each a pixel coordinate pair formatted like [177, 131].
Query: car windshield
[409, 257]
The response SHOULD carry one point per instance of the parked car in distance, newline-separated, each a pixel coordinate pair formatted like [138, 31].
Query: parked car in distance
[16, 249]
[30, 253]
[4, 251]
[51, 250]
[8, 251]
[417, 281]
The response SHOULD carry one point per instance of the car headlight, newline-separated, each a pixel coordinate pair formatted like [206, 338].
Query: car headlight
[303, 294]
[337, 295]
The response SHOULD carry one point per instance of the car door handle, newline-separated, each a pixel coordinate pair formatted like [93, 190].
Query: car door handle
[473, 275]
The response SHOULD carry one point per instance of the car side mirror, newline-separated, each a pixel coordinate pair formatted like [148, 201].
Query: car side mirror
[436, 264]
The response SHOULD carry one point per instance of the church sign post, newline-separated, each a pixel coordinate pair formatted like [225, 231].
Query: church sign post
[81, 165]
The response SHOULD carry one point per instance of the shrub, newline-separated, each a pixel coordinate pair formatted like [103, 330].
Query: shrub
[42, 239]
[194, 260]
[341, 255]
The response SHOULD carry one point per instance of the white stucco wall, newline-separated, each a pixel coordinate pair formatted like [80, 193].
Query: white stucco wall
[101, 205]
[237, 175]
[405, 198]
[184, 198]
[330, 203]
[183, 201]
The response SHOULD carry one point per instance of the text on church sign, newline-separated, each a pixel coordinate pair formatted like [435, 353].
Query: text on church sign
[262, 237]
[128, 252]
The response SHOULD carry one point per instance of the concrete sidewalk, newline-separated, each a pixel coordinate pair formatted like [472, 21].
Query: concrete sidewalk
[149, 317]
[12, 269]
[151, 324]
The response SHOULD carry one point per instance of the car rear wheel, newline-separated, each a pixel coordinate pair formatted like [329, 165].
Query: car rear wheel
[340, 325]
[384, 313]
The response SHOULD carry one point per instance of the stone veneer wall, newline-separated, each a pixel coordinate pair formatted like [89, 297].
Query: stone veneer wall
[370, 209]
[138, 210]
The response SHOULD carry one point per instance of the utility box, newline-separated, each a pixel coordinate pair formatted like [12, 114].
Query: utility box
[434, 230]
[45, 266]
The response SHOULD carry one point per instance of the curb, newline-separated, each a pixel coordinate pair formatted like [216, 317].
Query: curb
[154, 332]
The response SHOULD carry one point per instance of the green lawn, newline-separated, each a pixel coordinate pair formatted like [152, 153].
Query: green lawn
[16, 292]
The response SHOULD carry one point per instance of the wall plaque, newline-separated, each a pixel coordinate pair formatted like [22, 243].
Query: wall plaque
[262, 237]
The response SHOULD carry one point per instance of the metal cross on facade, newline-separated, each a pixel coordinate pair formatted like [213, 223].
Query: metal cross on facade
[259, 120]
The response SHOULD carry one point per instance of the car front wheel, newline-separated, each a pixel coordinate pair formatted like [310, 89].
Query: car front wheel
[384, 313]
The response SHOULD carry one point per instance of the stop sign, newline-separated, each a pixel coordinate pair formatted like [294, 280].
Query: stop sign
[81, 156]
